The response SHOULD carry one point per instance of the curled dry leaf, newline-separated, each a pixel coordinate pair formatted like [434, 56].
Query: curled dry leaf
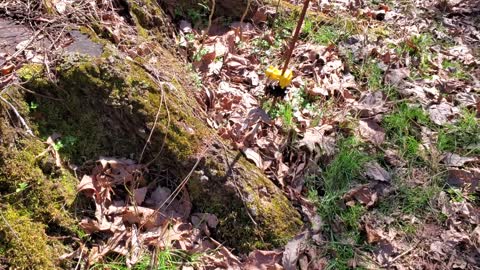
[7, 69]
[371, 131]
[253, 156]
[362, 194]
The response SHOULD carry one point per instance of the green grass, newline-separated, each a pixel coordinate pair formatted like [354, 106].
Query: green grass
[402, 128]
[345, 167]
[372, 73]
[167, 259]
[368, 72]
[342, 254]
[462, 137]
[455, 69]
[408, 200]
[327, 189]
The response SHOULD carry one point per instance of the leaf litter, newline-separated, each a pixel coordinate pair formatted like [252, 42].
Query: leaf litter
[230, 64]
[323, 74]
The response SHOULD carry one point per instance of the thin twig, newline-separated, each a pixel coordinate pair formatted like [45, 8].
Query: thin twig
[13, 231]
[24, 124]
[154, 126]
[401, 255]
[80, 258]
[243, 18]
[205, 34]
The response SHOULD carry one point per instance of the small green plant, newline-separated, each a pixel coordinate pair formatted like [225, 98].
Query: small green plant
[418, 47]
[285, 111]
[65, 144]
[21, 187]
[58, 146]
[199, 16]
[32, 106]
[200, 54]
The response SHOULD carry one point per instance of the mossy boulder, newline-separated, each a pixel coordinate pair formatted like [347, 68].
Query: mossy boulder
[109, 106]
[35, 196]
[233, 9]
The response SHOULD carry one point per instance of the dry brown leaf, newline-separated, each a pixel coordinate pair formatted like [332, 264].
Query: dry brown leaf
[139, 195]
[371, 131]
[374, 171]
[362, 194]
[463, 179]
[263, 260]
[442, 113]
[454, 160]
[253, 156]
[315, 137]
[396, 76]
[292, 251]
[372, 235]
[7, 69]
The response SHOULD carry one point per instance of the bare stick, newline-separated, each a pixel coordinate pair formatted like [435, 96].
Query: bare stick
[205, 34]
[401, 255]
[24, 124]
[243, 18]
[154, 126]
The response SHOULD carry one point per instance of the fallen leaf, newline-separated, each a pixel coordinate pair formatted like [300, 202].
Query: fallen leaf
[463, 179]
[139, 195]
[292, 251]
[372, 235]
[315, 137]
[454, 160]
[442, 113]
[185, 26]
[371, 131]
[7, 69]
[384, 252]
[374, 171]
[362, 194]
[396, 76]
[253, 156]
[263, 260]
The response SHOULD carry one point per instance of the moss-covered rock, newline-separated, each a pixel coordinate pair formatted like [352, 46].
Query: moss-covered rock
[35, 196]
[108, 106]
[25, 244]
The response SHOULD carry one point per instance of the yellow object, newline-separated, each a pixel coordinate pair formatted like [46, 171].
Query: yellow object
[274, 73]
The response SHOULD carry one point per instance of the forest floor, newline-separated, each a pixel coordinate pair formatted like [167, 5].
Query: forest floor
[377, 139]
[380, 127]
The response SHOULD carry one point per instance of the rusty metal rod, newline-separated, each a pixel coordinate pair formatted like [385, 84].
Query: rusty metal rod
[295, 35]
